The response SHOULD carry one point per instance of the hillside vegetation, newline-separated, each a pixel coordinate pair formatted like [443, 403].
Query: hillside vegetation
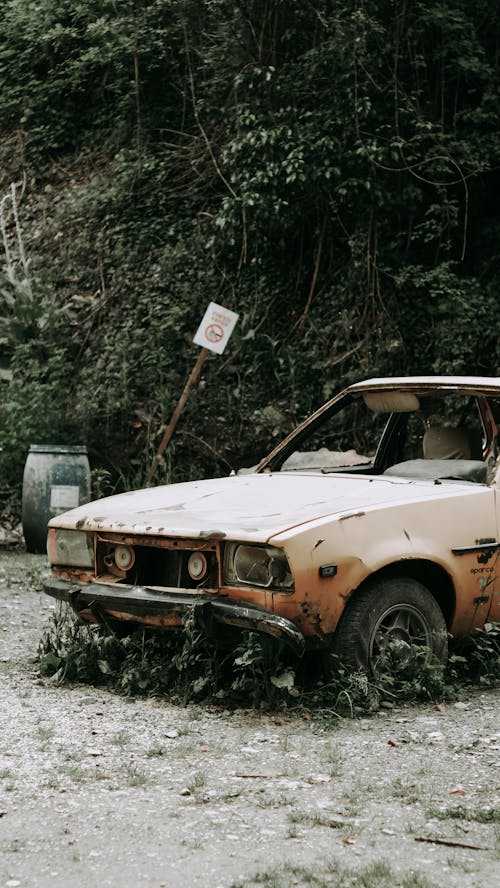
[328, 169]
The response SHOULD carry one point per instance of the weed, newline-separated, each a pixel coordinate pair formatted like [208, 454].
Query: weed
[197, 782]
[477, 658]
[185, 747]
[45, 732]
[186, 667]
[415, 880]
[33, 576]
[496, 836]
[156, 750]
[323, 875]
[74, 772]
[357, 794]
[314, 819]
[271, 801]
[73, 755]
[121, 739]
[462, 812]
[458, 862]
[406, 790]
[293, 833]
[134, 775]
[50, 783]
[334, 759]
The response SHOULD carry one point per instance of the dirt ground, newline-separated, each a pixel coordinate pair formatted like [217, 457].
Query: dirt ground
[97, 789]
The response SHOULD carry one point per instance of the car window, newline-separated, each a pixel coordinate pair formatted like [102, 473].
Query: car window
[348, 438]
[444, 427]
[380, 429]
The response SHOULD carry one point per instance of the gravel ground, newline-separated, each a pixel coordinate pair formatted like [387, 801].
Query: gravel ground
[99, 789]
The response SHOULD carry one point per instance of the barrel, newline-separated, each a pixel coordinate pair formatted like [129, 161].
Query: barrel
[56, 478]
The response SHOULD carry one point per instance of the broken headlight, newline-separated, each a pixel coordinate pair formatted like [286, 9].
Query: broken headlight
[73, 548]
[257, 566]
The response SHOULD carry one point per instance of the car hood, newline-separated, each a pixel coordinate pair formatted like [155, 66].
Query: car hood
[252, 507]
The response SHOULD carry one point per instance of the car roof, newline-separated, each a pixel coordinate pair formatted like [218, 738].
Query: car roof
[486, 385]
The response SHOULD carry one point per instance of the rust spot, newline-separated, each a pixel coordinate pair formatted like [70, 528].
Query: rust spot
[352, 515]
[313, 619]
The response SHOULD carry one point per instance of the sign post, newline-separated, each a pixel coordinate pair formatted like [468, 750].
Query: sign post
[212, 335]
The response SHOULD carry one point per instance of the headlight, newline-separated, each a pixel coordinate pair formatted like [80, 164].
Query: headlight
[257, 566]
[73, 548]
[197, 566]
[124, 557]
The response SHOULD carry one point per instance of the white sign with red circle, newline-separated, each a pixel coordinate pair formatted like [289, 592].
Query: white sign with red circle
[216, 327]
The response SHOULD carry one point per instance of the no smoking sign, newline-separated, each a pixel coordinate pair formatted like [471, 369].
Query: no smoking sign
[216, 328]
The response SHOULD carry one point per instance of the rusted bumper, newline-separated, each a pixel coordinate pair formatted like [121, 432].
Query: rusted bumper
[137, 601]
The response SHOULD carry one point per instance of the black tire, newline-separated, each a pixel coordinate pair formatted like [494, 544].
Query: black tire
[384, 624]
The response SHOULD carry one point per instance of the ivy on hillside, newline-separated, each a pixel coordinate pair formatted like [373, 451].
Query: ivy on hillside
[326, 169]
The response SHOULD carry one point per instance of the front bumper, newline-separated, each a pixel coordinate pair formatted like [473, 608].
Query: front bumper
[137, 601]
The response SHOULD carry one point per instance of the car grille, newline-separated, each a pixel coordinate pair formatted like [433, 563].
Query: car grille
[157, 562]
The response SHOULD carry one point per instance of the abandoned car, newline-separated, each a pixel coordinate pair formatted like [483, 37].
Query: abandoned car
[371, 530]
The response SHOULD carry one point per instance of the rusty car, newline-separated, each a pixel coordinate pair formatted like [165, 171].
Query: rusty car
[372, 530]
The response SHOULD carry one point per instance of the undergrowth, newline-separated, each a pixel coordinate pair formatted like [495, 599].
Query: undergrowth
[257, 672]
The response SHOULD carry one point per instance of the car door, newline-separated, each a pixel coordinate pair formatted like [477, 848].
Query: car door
[494, 586]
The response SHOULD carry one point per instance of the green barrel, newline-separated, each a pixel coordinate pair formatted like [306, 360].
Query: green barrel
[56, 478]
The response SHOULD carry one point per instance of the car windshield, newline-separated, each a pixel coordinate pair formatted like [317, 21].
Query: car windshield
[373, 431]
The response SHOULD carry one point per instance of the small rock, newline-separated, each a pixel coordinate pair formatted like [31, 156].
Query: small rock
[320, 778]
[435, 737]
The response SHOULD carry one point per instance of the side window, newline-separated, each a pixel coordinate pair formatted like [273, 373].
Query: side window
[445, 427]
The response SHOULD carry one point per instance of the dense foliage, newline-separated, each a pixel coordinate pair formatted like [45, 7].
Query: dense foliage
[328, 169]
[257, 670]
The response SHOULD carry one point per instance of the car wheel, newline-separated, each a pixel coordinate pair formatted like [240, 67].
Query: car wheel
[385, 624]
